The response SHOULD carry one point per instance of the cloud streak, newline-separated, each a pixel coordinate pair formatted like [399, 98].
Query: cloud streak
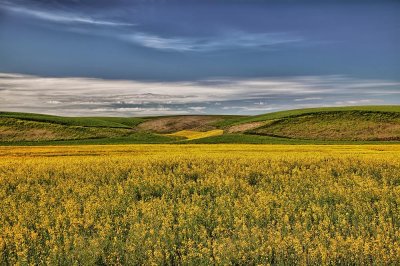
[233, 39]
[89, 96]
[229, 39]
[62, 17]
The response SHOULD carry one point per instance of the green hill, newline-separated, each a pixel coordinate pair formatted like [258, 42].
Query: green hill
[110, 122]
[297, 112]
[357, 124]
[336, 125]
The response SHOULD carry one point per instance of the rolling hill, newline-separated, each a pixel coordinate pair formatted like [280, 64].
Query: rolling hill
[357, 124]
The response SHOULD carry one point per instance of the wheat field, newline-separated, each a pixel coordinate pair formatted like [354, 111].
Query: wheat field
[200, 205]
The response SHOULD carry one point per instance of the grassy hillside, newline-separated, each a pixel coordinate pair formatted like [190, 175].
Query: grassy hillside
[347, 125]
[359, 124]
[172, 124]
[24, 130]
[297, 112]
[31, 132]
[113, 122]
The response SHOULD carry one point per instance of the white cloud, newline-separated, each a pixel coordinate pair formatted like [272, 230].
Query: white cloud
[250, 108]
[53, 102]
[308, 99]
[91, 96]
[361, 101]
[232, 39]
[62, 17]
[198, 108]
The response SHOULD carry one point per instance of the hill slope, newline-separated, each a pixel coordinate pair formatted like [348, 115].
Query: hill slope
[342, 125]
[297, 112]
[316, 125]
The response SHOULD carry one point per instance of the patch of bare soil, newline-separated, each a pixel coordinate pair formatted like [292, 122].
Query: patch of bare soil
[40, 134]
[244, 127]
[177, 123]
[26, 135]
[6, 133]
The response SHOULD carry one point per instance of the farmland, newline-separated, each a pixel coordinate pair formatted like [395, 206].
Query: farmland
[199, 133]
[200, 204]
[327, 125]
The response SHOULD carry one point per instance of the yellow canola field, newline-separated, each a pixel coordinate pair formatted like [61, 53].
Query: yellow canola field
[191, 134]
[200, 205]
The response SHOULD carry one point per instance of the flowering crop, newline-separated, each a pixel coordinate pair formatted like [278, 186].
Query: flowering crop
[191, 134]
[200, 205]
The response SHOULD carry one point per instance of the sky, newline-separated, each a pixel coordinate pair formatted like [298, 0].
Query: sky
[163, 57]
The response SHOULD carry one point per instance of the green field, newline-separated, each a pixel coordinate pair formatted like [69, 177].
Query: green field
[328, 125]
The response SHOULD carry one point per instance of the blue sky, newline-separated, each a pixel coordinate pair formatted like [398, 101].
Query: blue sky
[178, 57]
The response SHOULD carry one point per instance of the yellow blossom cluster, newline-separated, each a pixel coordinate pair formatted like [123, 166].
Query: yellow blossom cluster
[200, 205]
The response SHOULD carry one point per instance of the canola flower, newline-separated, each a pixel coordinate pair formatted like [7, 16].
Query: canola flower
[200, 205]
[191, 134]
